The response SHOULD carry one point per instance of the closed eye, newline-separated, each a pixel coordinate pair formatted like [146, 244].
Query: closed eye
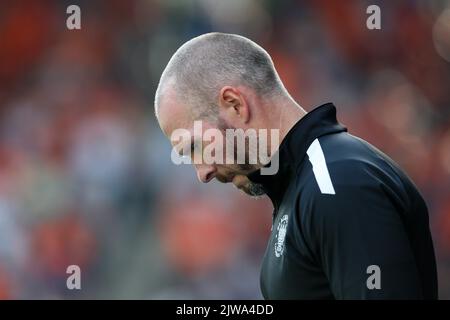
[192, 149]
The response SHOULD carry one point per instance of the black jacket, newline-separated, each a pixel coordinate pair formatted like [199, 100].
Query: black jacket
[347, 222]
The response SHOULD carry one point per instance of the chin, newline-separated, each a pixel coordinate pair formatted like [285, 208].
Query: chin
[249, 188]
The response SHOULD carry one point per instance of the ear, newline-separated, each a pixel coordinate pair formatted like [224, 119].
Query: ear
[233, 105]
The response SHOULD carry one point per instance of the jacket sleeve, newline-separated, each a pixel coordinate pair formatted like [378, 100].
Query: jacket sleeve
[357, 236]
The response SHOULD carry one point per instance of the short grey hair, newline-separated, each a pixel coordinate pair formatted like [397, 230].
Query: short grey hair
[203, 65]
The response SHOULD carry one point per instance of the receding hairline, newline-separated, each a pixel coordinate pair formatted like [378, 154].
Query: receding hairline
[202, 64]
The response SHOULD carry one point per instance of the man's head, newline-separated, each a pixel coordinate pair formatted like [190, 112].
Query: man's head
[227, 82]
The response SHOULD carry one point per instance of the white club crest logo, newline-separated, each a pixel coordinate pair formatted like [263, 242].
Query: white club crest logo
[280, 236]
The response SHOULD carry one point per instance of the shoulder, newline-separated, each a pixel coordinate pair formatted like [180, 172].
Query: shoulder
[323, 179]
[343, 175]
[344, 162]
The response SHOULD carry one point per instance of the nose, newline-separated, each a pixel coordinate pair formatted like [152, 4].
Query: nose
[206, 173]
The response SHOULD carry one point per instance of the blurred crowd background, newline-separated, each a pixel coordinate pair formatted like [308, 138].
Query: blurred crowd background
[85, 173]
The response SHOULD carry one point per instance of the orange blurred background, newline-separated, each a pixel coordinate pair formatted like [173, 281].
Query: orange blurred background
[85, 173]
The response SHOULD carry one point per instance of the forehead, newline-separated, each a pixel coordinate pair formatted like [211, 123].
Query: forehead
[173, 113]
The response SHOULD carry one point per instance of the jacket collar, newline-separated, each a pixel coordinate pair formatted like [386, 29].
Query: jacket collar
[291, 153]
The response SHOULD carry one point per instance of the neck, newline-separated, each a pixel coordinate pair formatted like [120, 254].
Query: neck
[287, 115]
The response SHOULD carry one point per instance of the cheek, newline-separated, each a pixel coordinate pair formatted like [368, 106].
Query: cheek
[232, 170]
[226, 171]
